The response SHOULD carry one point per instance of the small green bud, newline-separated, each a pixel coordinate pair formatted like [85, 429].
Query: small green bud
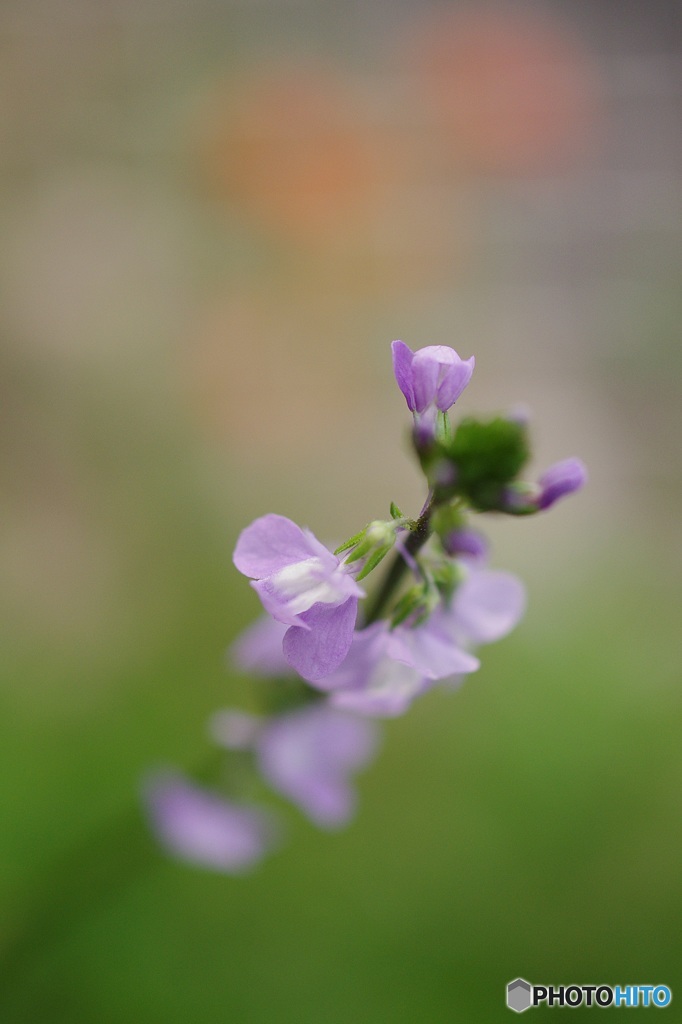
[429, 603]
[380, 532]
[487, 456]
[447, 576]
[416, 604]
[373, 544]
[395, 512]
[445, 519]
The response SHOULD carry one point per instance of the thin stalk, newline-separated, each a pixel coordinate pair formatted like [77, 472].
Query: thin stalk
[416, 540]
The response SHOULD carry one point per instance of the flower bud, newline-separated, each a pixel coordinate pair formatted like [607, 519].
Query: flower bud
[561, 479]
[372, 544]
[520, 498]
[434, 376]
[467, 542]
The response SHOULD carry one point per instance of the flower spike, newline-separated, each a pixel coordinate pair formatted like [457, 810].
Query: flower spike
[330, 664]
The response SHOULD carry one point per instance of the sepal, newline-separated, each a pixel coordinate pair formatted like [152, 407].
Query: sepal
[372, 544]
[416, 604]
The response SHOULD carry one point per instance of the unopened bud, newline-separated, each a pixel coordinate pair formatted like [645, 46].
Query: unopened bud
[466, 542]
[561, 479]
[520, 498]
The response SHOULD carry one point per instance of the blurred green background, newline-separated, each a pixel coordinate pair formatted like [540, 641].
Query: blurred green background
[215, 217]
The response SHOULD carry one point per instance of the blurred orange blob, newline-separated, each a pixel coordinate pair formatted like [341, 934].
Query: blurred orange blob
[293, 146]
[251, 353]
[513, 90]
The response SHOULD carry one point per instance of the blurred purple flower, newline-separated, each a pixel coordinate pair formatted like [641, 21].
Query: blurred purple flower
[302, 585]
[430, 649]
[486, 606]
[561, 479]
[307, 755]
[258, 648]
[369, 682]
[386, 669]
[202, 827]
[466, 542]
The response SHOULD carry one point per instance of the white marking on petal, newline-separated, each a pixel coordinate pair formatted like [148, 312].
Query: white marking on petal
[310, 582]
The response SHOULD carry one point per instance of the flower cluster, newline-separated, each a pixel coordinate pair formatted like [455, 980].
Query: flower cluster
[338, 662]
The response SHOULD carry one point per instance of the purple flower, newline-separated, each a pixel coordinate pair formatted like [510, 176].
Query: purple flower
[561, 479]
[304, 586]
[307, 755]
[199, 826]
[430, 649]
[258, 648]
[434, 376]
[486, 606]
[387, 669]
[370, 682]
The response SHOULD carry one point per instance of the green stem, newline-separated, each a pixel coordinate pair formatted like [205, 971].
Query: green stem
[416, 540]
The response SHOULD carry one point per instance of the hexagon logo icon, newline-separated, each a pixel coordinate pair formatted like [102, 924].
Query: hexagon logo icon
[518, 995]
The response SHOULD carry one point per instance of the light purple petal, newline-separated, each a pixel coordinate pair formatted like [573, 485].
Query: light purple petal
[425, 424]
[367, 647]
[561, 479]
[271, 543]
[259, 648]
[309, 755]
[429, 650]
[433, 376]
[466, 542]
[321, 644]
[439, 376]
[369, 682]
[275, 603]
[387, 692]
[426, 368]
[294, 590]
[454, 378]
[402, 368]
[487, 606]
[201, 827]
